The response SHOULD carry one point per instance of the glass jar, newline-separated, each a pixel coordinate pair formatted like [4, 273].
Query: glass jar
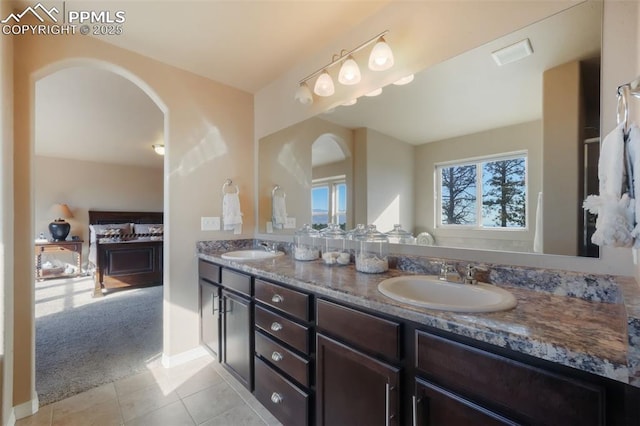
[399, 236]
[305, 243]
[334, 250]
[352, 235]
[372, 251]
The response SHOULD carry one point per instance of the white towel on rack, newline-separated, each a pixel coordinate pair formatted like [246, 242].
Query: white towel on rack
[537, 236]
[633, 153]
[279, 210]
[615, 210]
[231, 213]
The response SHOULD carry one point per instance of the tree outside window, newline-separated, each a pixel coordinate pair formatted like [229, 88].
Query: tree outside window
[487, 193]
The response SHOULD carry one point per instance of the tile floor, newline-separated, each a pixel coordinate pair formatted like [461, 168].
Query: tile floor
[200, 392]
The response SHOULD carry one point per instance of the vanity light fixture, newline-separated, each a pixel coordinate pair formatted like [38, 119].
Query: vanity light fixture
[373, 93]
[350, 102]
[158, 148]
[404, 80]
[380, 59]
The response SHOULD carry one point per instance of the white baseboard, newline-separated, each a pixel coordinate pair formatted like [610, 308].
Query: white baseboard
[26, 409]
[12, 418]
[184, 357]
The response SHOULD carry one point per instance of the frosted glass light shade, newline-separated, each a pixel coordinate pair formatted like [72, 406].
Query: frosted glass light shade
[404, 80]
[303, 94]
[324, 85]
[349, 72]
[381, 57]
[375, 92]
[350, 102]
[158, 148]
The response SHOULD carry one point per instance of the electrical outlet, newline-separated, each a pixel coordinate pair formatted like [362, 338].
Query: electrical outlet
[209, 223]
[290, 223]
[269, 227]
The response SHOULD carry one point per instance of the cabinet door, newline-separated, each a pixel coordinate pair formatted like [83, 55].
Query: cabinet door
[354, 388]
[210, 317]
[237, 347]
[436, 406]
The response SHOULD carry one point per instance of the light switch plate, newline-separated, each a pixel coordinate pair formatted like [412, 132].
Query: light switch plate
[210, 223]
[290, 223]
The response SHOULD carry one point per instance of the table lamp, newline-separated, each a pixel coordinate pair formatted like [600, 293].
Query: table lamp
[59, 228]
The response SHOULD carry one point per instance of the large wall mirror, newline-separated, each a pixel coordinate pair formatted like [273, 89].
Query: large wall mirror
[479, 155]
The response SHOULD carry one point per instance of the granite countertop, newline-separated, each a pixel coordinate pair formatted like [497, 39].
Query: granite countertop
[592, 336]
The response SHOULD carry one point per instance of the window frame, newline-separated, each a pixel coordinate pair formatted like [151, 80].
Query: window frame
[479, 162]
[332, 184]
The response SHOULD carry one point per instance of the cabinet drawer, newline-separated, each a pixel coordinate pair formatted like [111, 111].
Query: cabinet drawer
[286, 330]
[209, 271]
[236, 281]
[282, 398]
[535, 395]
[290, 301]
[375, 334]
[281, 357]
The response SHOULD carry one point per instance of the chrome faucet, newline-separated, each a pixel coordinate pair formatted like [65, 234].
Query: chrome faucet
[470, 275]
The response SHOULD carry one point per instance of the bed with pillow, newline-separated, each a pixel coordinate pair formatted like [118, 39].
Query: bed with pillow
[125, 249]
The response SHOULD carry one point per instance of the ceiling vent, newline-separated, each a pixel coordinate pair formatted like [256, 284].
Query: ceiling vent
[513, 53]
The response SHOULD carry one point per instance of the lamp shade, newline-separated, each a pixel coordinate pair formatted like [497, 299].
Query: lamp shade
[62, 211]
[349, 72]
[381, 57]
[324, 85]
[303, 94]
[158, 148]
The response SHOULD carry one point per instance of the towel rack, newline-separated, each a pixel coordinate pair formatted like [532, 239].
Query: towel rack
[227, 184]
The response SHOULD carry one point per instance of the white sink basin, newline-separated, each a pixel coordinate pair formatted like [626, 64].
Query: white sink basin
[430, 292]
[250, 254]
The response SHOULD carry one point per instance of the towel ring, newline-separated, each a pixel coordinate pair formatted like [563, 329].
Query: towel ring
[276, 189]
[227, 183]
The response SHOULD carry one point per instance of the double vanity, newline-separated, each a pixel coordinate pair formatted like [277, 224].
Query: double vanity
[330, 345]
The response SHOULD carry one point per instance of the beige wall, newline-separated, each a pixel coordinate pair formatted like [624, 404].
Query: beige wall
[209, 134]
[561, 138]
[389, 185]
[6, 223]
[285, 160]
[86, 185]
[522, 137]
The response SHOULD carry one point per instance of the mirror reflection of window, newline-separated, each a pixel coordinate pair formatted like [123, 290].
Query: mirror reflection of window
[488, 193]
[329, 202]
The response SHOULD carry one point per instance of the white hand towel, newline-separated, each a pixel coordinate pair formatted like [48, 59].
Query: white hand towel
[537, 237]
[633, 154]
[615, 212]
[279, 210]
[231, 214]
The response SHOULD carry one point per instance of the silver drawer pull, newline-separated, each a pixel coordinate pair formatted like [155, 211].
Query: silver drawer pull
[276, 356]
[277, 298]
[276, 326]
[276, 398]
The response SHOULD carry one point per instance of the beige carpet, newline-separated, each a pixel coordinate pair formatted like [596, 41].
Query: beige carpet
[83, 342]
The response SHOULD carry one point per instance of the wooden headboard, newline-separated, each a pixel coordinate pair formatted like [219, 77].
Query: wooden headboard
[97, 217]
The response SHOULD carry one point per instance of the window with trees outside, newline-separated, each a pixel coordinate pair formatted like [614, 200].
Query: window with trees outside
[483, 193]
[329, 202]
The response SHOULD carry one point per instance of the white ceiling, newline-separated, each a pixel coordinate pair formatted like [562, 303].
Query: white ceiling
[95, 115]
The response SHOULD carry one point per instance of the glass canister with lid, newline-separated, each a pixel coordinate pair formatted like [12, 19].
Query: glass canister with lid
[399, 236]
[306, 243]
[352, 235]
[334, 250]
[372, 251]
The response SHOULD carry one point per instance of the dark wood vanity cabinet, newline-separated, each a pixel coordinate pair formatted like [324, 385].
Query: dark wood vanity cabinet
[226, 319]
[283, 352]
[355, 385]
